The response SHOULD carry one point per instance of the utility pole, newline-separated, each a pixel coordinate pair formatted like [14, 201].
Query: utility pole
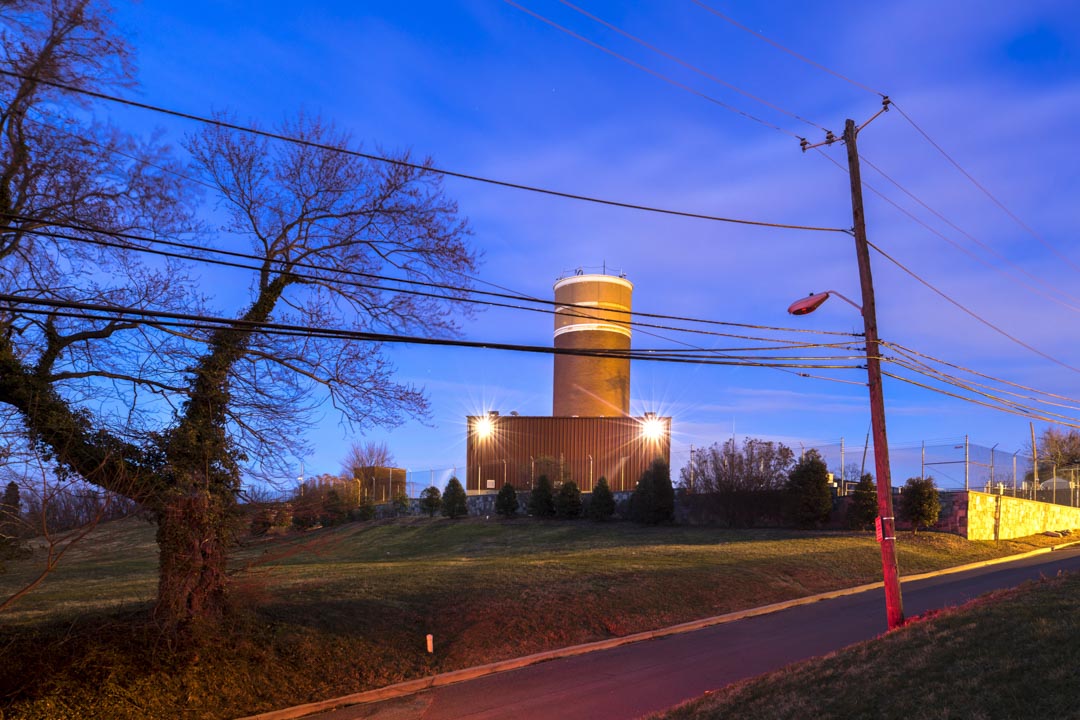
[894, 604]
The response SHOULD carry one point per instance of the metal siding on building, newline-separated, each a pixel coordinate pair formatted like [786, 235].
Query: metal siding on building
[618, 449]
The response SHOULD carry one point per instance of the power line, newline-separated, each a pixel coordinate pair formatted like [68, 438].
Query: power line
[777, 45]
[385, 278]
[205, 322]
[511, 294]
[691, 66]
[407, 164]
[655, 73]
[956, 303]
[982, 320]
[958, 383]
[909, 351]
[1027, 228]
[1032, 415]
[971, 237]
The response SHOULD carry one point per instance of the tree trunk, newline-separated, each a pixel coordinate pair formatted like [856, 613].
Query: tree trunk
[193, 539]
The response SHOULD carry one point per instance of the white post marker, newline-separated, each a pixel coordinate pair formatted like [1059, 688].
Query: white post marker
[430, 643]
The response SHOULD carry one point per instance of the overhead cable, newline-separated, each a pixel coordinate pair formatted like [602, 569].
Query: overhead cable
[129, 237]
[224, 124]
[941, 293]
[655, 73]
[107, 313]
[1027, 228]
[789, 51]
[691, 67]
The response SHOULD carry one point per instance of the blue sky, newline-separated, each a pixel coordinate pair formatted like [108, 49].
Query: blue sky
[485, 88]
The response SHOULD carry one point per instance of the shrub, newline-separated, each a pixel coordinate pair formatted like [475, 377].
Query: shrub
[261, 521]
[506, 502]
[919, 503]
[863, 508]
[365, 510]
[541, 499]
[602, 502]
[431, 501]
[568, 501]
[334, 508]
[808, 497]
[400, 503]
[653, 501]
[453, 500]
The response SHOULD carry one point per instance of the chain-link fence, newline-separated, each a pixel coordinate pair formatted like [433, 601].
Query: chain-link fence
[956, 464]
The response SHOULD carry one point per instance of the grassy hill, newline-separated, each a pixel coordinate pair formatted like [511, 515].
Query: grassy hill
[346, 609]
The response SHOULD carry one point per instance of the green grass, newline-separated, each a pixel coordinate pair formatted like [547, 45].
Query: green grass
[1011, 654]
[347, 609]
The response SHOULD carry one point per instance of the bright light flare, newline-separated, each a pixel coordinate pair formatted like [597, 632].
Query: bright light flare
[652, 428]
[484, 427]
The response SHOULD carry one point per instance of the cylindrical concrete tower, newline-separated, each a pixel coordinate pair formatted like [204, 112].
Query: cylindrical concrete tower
[592, 312]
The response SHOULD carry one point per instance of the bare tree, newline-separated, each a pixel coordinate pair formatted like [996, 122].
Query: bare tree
[366, 455]
[755, 465]
[172, 416]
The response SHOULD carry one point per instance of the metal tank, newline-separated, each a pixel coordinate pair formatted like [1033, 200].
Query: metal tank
[592, 312]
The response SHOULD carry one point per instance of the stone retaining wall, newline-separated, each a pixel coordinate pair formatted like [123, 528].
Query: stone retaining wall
[1000, 517]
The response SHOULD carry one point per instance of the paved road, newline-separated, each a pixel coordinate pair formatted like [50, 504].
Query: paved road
[636, 679]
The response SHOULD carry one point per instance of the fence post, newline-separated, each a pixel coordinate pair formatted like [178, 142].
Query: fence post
[966, 456]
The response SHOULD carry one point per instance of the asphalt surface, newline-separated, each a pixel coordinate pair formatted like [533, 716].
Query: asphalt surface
[641, 678]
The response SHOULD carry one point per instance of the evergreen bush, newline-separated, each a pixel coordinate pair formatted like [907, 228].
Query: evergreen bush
[364, 511]
[919, 503]
[453, 500]
[431, 501]
[568, 501]
[602, 502]
[863, 509]
[334, 509]
[653, 501]
[506, 502]
[541, 499]
[809, 500]
[400, 503]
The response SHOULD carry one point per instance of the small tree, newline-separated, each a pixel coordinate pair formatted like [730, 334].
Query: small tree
[541, 499]
[568, 501]
[334, 508]
[453, 500]
[10, 512]
[431, 501]
[863, 508]
[365, 510]
[400, 503]
[506, 502]
[602, 503]
[809, 501]
[653, 501]
[919, 503]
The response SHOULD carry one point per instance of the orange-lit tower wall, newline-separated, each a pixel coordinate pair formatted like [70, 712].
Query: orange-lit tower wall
[592, 312]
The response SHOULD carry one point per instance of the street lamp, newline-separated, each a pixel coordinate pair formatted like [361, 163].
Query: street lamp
[809, 304]
[894, 605]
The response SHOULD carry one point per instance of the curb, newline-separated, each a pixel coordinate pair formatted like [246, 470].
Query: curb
[410, 687]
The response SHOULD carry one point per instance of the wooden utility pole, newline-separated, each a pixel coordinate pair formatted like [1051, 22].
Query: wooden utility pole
[894, 604]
